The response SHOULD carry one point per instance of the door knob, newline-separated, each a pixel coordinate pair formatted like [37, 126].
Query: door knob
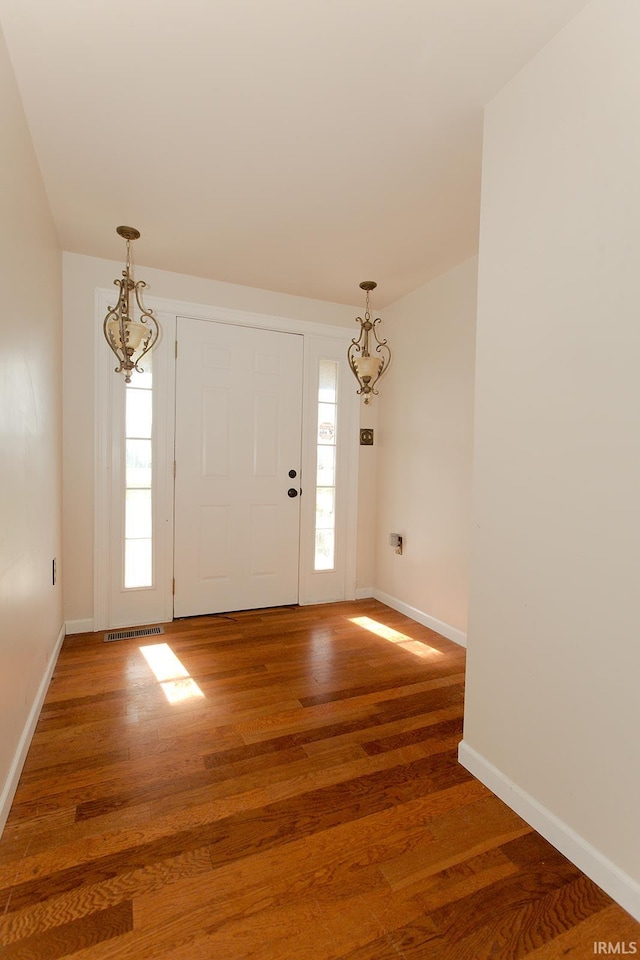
[292, 492]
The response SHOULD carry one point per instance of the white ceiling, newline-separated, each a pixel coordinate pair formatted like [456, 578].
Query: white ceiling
[295, 145]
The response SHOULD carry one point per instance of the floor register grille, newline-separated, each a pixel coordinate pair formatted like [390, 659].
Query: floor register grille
[133, 634]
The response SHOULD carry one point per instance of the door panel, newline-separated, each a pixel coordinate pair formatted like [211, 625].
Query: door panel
[238, 434]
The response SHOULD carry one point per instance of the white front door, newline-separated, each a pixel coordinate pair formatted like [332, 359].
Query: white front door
[238, 458]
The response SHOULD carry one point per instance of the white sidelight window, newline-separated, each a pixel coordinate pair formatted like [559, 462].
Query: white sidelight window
[138, 525]
[326, 449]
[133, 560]
[329, 481]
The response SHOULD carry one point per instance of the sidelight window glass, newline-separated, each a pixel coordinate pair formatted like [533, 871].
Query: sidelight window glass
[138, 520]
[326, 441]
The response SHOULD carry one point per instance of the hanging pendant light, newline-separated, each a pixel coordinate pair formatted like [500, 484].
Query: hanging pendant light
[367, 367]
[129, 338]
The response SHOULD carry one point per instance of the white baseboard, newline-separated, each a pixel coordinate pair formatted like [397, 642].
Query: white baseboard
[11, 783]
[79, 626]
[614, 881]
[444, 629]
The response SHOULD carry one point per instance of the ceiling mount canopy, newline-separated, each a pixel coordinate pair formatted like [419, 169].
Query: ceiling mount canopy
[129, 233]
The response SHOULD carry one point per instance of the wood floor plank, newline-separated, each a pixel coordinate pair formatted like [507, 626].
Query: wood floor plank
[608, 926]
[308, 805]
[53, 911]
[68, 938]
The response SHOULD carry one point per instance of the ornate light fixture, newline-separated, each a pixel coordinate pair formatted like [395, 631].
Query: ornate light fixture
[129, 338]
[368, 369]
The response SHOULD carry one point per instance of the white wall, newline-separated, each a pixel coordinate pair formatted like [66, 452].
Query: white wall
[82, 276]
[30, 436]
[424, 450]
[553, 709]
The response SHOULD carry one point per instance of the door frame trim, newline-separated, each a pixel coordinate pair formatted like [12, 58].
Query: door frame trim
[168, 310]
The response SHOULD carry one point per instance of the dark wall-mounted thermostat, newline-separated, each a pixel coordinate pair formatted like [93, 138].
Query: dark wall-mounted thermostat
[366, 437]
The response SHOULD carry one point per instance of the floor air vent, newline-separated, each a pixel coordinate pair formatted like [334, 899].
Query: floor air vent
[133, 634]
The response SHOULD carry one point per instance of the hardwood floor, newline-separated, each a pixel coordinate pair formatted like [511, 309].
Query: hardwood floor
[302, 801]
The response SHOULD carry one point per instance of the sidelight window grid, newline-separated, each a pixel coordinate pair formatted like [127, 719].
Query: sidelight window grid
[326, 447]
[138, 519]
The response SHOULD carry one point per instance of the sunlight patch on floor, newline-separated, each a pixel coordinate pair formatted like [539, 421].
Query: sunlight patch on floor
[416, 647]
[170, 673]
